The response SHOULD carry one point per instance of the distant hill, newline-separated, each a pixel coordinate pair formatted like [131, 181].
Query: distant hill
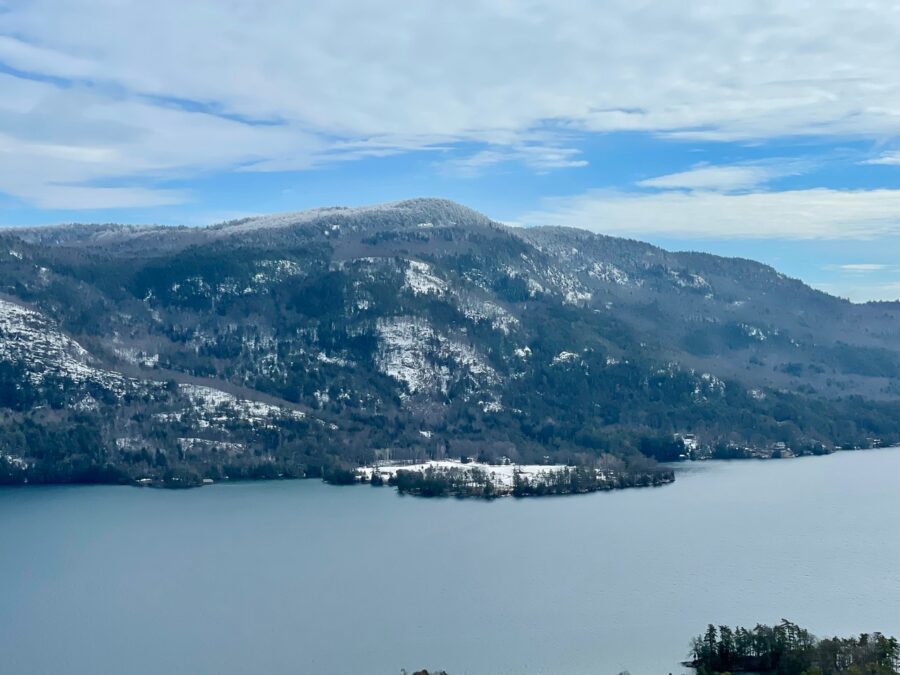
[302, 343]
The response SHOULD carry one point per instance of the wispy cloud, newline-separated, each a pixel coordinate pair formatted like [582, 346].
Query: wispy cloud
[541, 158]
[717, 178]
[858, 268]
[793, 214]
[731, 177]
[379, 78]
[74, 149]
[890, 158]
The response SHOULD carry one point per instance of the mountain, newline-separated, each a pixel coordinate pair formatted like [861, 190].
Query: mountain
[306, 343]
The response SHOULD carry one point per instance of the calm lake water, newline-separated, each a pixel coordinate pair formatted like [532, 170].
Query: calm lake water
[302, 578]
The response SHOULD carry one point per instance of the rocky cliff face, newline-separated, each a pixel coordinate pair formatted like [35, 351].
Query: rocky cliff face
[298, 343]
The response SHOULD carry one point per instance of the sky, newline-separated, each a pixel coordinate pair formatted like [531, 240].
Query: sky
[768, 130]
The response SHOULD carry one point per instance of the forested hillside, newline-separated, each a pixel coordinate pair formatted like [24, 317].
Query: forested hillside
[301, 344]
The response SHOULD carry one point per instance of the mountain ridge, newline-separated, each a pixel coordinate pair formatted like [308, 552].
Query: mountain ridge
[378, 323]
[288, 219]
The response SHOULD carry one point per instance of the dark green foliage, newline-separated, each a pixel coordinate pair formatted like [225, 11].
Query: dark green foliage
[321, 296]
[787, 649]
[866, 361]
[339, 476]
[663, 448]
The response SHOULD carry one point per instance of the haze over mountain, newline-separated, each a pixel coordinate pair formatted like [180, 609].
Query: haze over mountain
[301, 343]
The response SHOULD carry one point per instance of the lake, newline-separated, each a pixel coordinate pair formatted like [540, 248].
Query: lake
[303, 578]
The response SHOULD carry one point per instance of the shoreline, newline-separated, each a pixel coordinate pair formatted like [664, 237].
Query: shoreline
[669, 468]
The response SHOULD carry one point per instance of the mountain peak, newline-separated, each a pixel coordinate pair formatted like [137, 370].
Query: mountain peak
[418, 211]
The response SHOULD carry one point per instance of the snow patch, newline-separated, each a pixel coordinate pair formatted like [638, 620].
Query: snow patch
[564, 357]
[478, 310]
[413, 353]
[684, 279]
[609, 273]
[215, 407]
[137, 357]
[421, 279]
[754, 332]
[322, 357]
[32, 341]
[501, 476]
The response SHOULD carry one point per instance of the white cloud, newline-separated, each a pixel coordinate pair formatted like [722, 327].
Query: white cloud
[368, 77]
[718, 178]
[858, 268]
[541, 158]
[794, 214]
[74, 148]
[890, 158]
[19, 53]
[371, 67]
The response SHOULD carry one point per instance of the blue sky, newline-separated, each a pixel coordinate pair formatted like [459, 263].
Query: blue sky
[768, 132]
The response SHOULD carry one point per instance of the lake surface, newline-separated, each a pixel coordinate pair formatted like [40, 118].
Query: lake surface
[303, 578]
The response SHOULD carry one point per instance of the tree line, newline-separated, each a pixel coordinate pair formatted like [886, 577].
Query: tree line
[788, 649]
